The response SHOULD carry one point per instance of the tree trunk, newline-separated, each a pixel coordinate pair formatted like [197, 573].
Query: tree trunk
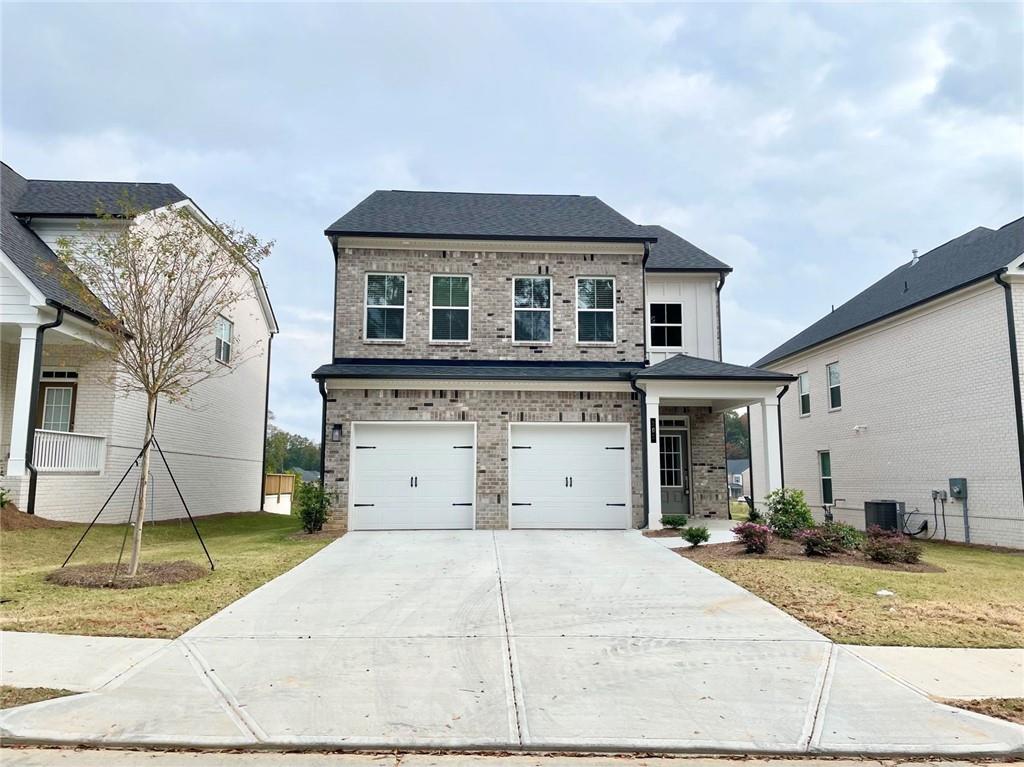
[140, 512]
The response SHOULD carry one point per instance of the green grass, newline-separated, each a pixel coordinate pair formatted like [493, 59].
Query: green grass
[977, 602]
[738, 511]
[248, 549]
[22, 696]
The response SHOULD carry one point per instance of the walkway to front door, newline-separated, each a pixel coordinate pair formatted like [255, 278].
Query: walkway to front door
[508, 640]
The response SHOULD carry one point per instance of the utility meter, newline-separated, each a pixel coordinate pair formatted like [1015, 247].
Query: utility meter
[958, 488]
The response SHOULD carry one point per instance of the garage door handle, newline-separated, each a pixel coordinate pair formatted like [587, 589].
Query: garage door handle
[415, 481]
[567, 482]
[570, 481]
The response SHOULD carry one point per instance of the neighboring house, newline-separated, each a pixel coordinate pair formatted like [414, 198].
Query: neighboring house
[492, 367]
[738, 470]
[59, 414]
[305, 474]
[913, 382]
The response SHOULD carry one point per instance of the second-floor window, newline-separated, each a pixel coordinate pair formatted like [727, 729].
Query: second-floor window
[595, 310]
[385, 307]
[532, 307]
[835, 393]
[805, 394]
[223, 330]
[666, 325]
[449, 308]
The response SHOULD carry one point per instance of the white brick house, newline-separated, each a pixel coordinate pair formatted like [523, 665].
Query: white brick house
[925, 386]
[525, 361]
[59, 416]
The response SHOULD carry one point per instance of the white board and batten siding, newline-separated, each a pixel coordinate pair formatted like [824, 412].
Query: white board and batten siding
[566, 476]
[696, 293]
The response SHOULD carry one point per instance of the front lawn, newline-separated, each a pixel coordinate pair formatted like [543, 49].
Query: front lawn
[249, 550]
[22, 696]
[976, 601]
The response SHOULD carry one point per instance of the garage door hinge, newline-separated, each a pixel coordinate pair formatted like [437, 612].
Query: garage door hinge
[615, 504]
[522, 447]
[363, 504]
[462, 504]
[522, 504]
[615, 448]
[462, 447]
[366, 447]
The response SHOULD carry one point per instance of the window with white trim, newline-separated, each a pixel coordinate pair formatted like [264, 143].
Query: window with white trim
[449, 308]
[532, 309]
[825, 466]
[804, 384]
[666, 326]
[385, 307]
[835, 392]
[57, 406]
[595, 310]
[223, 333]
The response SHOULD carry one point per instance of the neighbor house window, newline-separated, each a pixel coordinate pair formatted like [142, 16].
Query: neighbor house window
[595, 310]
[57, 406]
[223, 330]
[825, 462]
[532, 309]
[385, 307]
[666, 325]
[805, 394]
[835, 393]
[449, 308]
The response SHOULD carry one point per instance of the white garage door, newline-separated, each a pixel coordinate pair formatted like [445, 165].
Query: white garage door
[569, 476]
[412, 476]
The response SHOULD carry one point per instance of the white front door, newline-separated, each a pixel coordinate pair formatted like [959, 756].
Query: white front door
[569, 476]
[409, 475]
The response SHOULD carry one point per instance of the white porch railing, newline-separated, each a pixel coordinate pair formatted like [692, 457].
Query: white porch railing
[65, 451]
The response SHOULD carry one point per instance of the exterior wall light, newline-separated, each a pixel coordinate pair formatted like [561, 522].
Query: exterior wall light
[336, 433]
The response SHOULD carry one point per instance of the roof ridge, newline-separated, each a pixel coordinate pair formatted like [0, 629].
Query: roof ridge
[490, 194]
[87, 181]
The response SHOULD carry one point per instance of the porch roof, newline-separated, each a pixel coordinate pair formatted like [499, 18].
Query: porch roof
[685, 368]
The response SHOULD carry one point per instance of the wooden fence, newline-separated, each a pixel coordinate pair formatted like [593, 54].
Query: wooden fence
[280, 484]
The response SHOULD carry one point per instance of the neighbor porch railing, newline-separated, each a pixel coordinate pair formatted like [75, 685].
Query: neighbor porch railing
[66, 451]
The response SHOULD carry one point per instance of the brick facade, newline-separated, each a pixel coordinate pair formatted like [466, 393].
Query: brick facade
[491, 317]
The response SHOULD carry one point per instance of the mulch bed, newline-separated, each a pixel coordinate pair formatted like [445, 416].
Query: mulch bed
[11, 518]
[782, 549]
[101, 576]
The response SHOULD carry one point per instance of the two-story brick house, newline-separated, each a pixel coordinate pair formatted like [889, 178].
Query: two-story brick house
[525, 361]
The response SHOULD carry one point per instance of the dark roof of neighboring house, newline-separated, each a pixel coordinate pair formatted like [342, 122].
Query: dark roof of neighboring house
[974, 256]
[487, 216]
[736, 465]
[484, 370]
[671, 253]
[25, 197]
[86, 198]
[684, 367]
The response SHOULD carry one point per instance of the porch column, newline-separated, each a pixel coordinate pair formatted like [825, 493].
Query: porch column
[22, 400]
[772, 456]
[651, 442]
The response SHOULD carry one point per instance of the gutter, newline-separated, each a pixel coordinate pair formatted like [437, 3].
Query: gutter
[643, 451]
[782, 457]
[323, 429]
[266, 423]
[1014, 370]
[33, 405]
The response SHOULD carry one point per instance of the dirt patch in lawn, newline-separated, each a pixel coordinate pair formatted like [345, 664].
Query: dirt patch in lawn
[11, 519]
[1010, 709]
[22, 696]
[101, 576]
[783, 550]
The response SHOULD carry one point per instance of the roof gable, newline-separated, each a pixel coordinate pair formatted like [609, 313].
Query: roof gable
[971, 257]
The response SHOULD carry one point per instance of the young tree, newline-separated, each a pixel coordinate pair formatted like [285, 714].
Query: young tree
[156, 282]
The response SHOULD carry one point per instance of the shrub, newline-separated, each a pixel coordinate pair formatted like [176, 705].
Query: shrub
[674, 521]
[755, 538]
[890, 547]
[5, 497]
[829, 538]
[788, 512]
[754, 515]
[695, 536]
[313, 504]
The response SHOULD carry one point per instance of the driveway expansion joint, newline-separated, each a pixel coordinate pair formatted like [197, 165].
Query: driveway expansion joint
[502, 599]
[224, 696]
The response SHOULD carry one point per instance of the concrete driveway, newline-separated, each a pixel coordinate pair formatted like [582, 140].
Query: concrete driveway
[509, 640]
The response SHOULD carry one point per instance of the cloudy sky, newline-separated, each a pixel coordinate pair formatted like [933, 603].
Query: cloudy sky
[809, 146]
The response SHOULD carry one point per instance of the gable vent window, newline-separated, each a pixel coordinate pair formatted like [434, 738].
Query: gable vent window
[449, 308]
[223, 333]
[385, 307]
[805, 394]
[835, 392]
[532, 306]
[595, 310]
[666, 326]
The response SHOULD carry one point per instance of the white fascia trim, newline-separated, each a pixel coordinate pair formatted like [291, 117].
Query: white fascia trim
[36, 298]
[710, 389]
[474, 385]
[345, 245]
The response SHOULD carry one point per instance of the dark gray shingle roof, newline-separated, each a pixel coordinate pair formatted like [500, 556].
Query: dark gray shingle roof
[83, 198]
[971, 257]
[671, 253]
[683, 367]
[487, 216]
[485, 370]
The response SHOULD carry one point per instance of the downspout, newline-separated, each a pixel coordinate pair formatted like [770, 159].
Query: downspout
[266, 423]
[643, 450]
[1014, 370]
[323, 429]
[33, 405]
[718, 310]
[643, 292]
[782, 457]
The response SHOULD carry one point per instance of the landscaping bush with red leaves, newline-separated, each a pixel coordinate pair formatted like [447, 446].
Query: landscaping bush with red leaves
[755, 538]
[889, 546]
